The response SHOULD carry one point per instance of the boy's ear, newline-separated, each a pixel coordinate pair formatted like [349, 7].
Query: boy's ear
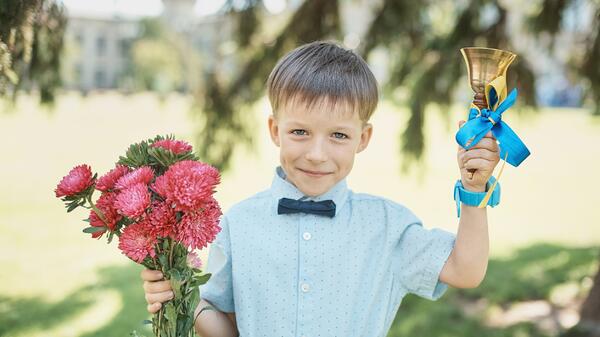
[274, 129]
[365, 137]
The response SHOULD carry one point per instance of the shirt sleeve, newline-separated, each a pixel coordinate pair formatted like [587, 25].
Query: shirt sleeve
[218, 290]
[419, 255]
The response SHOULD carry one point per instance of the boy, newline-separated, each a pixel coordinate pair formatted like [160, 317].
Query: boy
[308, 257]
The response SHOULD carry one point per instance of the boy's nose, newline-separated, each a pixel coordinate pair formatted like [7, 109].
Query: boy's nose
[317, 152]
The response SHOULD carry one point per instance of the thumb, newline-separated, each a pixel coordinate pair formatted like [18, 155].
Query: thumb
[460, 123]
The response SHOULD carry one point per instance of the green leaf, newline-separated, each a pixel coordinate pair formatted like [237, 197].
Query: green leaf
[136, 156]
[71, 206]
[175, 282]
[171, 316]
[204, 278]
[91, 230]
[162, 258]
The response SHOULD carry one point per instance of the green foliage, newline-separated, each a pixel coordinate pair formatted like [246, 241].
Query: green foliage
[154, 67]
[143, 154]
[31, 41]
[161, 60]
[176, 319]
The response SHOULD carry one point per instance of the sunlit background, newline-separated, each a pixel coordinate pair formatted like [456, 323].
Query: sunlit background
[130, 69]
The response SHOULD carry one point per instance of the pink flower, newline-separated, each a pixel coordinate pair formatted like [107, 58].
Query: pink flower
[175, 146]
[193, 260]
[77, 181]
[136, 243]
[197, 229]
[141, 175]
[106, 205]
[133, 201]
[187, 184]
[161, 222]
[107, 181]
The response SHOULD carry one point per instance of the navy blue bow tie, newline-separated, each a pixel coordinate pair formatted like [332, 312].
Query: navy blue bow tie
[289, 206]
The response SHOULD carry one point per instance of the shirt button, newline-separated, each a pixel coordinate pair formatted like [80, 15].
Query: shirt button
[305, 287]
[306, 236]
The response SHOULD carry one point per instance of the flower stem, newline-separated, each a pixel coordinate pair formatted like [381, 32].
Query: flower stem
[96, 210]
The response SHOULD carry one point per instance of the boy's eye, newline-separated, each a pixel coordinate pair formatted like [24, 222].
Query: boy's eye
[299, 132]
[339, 135]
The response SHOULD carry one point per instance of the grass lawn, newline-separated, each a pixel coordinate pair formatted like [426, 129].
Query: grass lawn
[55, 281]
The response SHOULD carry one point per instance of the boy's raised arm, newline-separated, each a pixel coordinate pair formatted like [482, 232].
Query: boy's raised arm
[468, 262]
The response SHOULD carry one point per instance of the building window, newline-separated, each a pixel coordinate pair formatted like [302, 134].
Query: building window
[124, 46]
[101, 45]
[100, 79]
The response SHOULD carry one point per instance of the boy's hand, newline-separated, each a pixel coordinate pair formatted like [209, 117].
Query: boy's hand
[157, 290]
[482, 157]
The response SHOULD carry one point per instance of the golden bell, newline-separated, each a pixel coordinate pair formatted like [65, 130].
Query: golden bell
[483, 66]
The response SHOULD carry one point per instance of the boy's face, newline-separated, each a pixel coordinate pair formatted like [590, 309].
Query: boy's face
[318, 145]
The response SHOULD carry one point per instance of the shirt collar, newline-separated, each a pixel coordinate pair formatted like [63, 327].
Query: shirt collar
[282, 188]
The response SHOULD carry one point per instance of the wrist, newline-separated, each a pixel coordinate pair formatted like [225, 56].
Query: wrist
[473, 188]
[476, 196]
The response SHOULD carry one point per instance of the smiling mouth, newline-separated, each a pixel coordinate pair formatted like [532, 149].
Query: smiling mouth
[314, 173]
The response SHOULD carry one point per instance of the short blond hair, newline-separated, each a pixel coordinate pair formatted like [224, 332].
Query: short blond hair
[320, 70]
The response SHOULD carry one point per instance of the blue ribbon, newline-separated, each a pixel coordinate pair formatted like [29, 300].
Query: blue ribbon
[480, 122]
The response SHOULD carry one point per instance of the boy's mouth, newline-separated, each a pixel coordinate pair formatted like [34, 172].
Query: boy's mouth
[314, 173]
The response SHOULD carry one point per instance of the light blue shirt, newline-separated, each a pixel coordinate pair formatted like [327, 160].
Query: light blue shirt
[297, 275]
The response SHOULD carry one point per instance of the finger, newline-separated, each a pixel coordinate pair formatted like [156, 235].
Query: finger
[154, 307]
[486, 143]
[157, 286]
[479, 164]
[152, 298]
[151, 275]
[480, 153]
[460, 123]
[489, 135]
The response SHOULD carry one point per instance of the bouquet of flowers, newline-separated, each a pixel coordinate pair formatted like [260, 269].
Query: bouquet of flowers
[158, 201]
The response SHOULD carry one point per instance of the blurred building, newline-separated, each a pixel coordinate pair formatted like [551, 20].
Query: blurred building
[98, 44]
[97, 50]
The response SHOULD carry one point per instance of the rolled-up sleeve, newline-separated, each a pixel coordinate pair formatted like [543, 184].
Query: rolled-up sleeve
[219, 288]
[419, 255]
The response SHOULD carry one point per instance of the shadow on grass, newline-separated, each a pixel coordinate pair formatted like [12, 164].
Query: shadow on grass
[529, 274]
[20, 315]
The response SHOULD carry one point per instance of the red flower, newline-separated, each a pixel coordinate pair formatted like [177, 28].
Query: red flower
[106, 205]
[107, 181]
[175, 146]
[141, 175]
[133, 201]
[77, 181]
[136, 243]
[198, 229]
[187, 184]
[161, 222]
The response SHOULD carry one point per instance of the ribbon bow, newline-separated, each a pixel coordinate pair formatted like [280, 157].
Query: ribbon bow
[512, 149]
[289, 206]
